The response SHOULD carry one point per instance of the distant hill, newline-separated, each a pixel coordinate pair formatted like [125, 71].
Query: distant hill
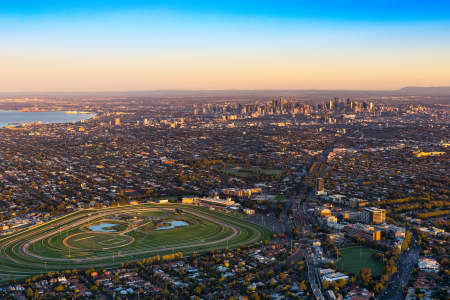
[418, 90]
[243, 94]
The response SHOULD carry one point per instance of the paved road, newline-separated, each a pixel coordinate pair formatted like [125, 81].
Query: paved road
[312, 278]
[270, 221]
[405, 266]
[301, 221]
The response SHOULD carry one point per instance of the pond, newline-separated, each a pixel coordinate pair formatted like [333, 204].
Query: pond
[103, 227]
[172, 224]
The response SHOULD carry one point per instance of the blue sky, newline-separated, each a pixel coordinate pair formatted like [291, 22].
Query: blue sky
[140, 45]
[336, 10]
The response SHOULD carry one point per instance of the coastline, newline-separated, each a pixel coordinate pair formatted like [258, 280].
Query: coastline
[42, 117]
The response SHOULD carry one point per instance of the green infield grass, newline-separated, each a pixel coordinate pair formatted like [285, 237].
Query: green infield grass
[133, 233]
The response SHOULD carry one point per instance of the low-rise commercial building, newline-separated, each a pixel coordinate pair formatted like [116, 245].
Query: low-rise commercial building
[363, 231]
[331, 275]
[428, 264]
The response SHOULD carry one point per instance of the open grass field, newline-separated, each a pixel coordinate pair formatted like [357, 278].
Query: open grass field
[355, 258]
[240, 171]
[79, 240]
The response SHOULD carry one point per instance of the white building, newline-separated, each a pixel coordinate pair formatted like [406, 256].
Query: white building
[428, 264]
[334, 277]
[217, 201]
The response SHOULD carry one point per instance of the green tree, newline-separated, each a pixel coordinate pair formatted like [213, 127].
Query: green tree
[303, 286]
[254, 296]
[366, 275]
[341, 283]
[59, 289]
[406, 241]
[378, 287]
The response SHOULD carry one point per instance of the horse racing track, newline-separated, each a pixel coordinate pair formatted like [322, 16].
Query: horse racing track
[108, 237]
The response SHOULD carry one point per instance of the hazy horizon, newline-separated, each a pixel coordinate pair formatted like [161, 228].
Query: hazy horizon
[262, 90]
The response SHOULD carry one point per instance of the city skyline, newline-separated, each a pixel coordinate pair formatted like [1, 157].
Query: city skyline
[231, 150]
[189, 45]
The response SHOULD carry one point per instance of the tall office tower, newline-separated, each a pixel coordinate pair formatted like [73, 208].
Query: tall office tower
[117, 121]
[145, 122]
[274, 104]
[371, 106]
[356, 106]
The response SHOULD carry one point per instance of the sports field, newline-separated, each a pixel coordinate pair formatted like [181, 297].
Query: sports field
[108, 237]
[355, 258]
[241, 171]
